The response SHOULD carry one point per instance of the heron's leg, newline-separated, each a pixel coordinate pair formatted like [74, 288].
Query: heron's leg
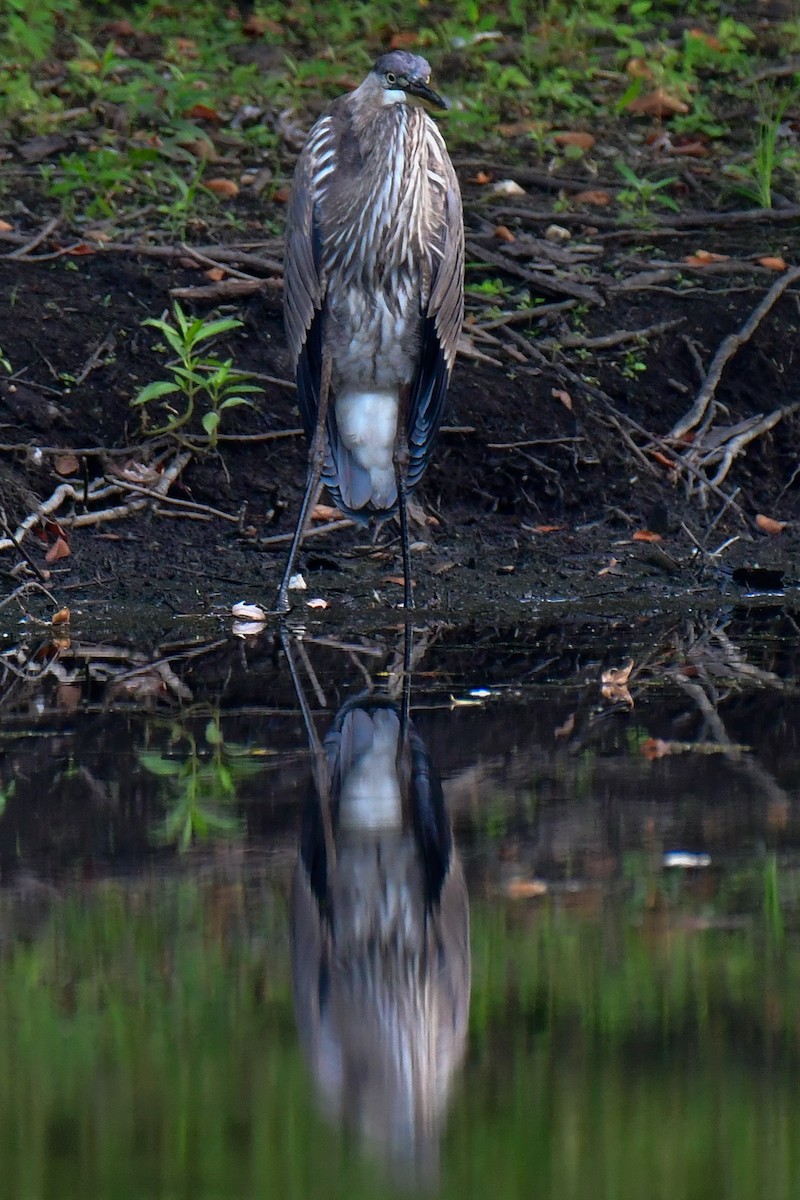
[316, 461]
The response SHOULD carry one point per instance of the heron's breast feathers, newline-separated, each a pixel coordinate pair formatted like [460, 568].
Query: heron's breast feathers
[380, 196]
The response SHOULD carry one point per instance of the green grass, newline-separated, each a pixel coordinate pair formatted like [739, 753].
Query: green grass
[152, 101]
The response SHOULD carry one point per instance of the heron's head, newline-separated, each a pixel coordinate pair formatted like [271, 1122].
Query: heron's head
[403, 79]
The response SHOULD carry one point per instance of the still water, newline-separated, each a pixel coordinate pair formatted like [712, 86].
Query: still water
[272, 925]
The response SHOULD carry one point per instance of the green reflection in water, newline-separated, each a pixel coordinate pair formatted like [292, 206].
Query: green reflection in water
[147, 1049]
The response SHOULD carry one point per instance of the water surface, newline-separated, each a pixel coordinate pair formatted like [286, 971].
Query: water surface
[623, 799]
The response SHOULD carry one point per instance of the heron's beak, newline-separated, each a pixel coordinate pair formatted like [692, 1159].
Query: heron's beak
[423, 92]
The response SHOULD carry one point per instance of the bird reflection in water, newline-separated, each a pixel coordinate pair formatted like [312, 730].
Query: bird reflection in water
[380, 934]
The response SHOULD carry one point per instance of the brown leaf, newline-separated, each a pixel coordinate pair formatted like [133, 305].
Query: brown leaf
[214, 274]
[702, 258]
[566, 729]
[256, 26]
[5, 227]
[504, 233]
[712, 42]
[575, 137]
[611, 568]
[186, 46]
[646, 535]
[202, 112]
[594, 196]
[403, 41]
[59, 549]
[775, 263]
[222, 187]
[617, 693]
[658, 103]
[544, 528]
[653, 748]
[618, 675]
[525, 889]
[769, 525]
[63, 614]
[563, 396]
[637, 68]
[66, 464]
[662, 458]
[511, 129]
[281, 195]
[398, 579]
[482, 178]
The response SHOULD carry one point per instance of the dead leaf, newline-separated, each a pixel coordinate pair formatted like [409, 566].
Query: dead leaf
[658, 103]
[80, 249]
[5, 227]
[637, 68]
[202, 112]
[611, 568]
[481, 177]
[403, 41]
[222, 187]
[63, 614]
[59, 549]
[516, 128]
[255, 25]
[543, 528]
[712, 42]
[594, 196]
[398, 579]
[566, 729]
[66, 464]
[662, 458]
[563, 396]
[618, 675]
[525, 889]
[701, 258]
[186, 46]
[646, 535]
[653, 748]
[248, 612]
[769, 525]
[281, 195]
[575, 137]
[507, 187]
[504, 233]
[617, 693]
[775, 263]
[215, 274]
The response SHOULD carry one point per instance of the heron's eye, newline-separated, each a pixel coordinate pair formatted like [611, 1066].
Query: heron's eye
[391, 77]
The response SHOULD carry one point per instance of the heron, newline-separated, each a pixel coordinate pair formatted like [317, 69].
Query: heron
[373, 295]
[379, 931]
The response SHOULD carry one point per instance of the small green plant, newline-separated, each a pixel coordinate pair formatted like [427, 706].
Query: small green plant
[641, 193]
[197, 377]
[755, 178]
[5, 362]
[197, 783]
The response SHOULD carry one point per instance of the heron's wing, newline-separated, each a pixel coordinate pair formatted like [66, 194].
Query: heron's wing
[441, 321]
[304, 286]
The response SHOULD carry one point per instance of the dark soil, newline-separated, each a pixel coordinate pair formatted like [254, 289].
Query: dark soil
[571, 469]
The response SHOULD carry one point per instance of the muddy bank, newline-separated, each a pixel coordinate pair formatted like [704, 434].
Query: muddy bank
[548, 474]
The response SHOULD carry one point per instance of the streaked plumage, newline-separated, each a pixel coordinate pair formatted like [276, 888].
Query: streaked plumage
[373, 299]
[380, 937]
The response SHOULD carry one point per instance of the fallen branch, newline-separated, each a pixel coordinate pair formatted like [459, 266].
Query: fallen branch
[726, 351]
[67, 491]
[550, 284]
